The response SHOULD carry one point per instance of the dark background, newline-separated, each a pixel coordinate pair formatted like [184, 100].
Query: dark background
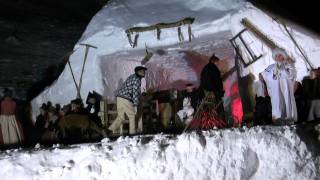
[304, 12]
[36, 34]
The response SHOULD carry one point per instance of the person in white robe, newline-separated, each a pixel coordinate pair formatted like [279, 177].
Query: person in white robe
[280, 80]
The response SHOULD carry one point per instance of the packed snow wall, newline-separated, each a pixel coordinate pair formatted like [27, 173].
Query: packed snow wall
[114, 59]
[106, 31]
[174, 66]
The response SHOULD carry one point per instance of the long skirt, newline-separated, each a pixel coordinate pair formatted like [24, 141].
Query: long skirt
[11, 133]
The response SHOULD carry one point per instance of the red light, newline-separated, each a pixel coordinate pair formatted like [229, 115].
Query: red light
[236, 110]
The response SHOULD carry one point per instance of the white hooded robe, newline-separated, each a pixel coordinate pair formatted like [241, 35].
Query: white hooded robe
[280, 78]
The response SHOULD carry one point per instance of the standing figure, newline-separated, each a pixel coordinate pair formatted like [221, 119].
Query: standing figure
[211, 84]
[280, 80]
[311, 93]
[128, 99]
[76, 107]
[41, 120]
[262, 110]
[51, 125]
[11, 132]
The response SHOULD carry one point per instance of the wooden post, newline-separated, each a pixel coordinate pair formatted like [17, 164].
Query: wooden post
[84, 62]
[69, 64]
[74, 80]
[295, 43]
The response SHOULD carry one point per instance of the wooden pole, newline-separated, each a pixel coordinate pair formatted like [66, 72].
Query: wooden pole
[72, 74]
[84, 62]
[257, 32]
[74, 80]
[295, 43]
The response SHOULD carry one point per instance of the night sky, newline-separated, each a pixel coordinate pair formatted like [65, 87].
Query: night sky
[304, 12]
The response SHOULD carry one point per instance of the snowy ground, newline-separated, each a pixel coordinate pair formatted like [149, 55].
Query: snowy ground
[255, 153]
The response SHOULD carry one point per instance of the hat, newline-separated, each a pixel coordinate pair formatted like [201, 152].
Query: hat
[77, 101]
[65, 108]
[189, 84]
[44, 106]
[138, 68]
[52, 109]
[279, 51]
[214, 58]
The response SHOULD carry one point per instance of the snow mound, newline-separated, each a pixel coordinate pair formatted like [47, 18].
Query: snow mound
[256, 153]
[114, 59]
[104, 69]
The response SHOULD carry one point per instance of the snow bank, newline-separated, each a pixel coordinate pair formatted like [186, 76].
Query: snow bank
[256, 153]
[105, 69]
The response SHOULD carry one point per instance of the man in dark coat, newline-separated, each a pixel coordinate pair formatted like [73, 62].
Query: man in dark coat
[211, 78]
[40, 123]
[211, 83]
[311, 92]
[262, 110]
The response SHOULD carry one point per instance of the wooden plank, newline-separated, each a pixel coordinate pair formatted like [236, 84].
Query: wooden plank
[258, 33]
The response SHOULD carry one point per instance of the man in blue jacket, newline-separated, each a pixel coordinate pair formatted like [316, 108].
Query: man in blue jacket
[128, 97]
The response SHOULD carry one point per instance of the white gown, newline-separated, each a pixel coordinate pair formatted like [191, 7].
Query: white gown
[280, 80]
[186, 113]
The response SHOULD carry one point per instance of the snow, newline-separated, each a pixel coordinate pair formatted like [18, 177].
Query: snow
[309, 42]
[107, 31]
[255, 153]
[114, 59]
